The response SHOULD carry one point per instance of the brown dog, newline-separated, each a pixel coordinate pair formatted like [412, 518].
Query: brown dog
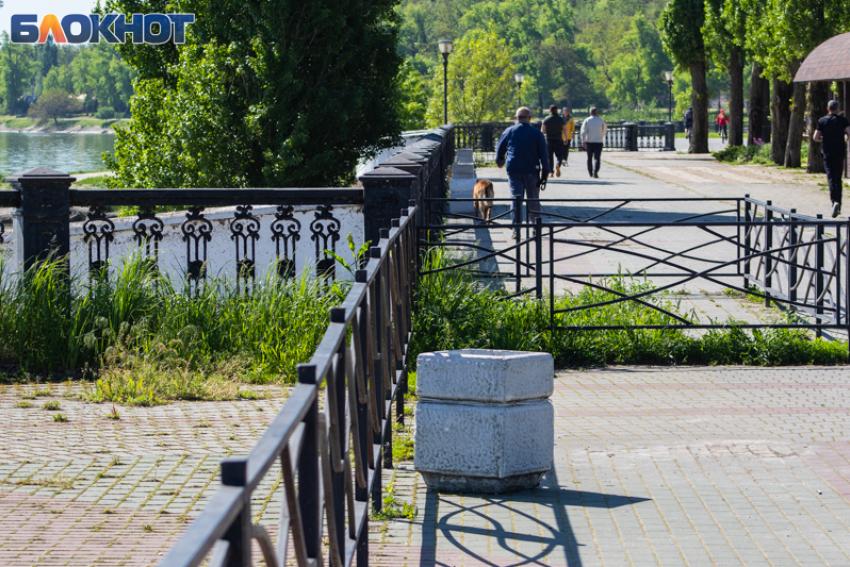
[483, 190]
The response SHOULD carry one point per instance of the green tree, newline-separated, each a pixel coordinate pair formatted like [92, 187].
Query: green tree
[682, 22]
[481, 85]
[637, 72]
[263, 93]
[413, 97]
[724, 33]
[18, 69]
[53, 104]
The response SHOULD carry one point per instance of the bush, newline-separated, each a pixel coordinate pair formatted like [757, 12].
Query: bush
[757, 153]
[454, 311]
[105, 113]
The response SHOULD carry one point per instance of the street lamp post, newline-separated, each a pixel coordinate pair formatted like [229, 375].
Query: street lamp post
[519, 78]
[669, 95]
[445, 46]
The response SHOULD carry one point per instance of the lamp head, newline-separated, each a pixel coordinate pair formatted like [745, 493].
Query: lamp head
[519, 77]
[669, 76]
[445, 46]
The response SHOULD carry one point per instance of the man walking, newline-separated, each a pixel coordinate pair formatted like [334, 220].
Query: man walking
[569, 131]
[523, 148]
[833, 130]
[554, 129]
[593, 132]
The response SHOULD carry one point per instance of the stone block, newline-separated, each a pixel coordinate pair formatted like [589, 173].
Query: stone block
[463, 170]
[485, 448]
[464, 155]
[485, 375]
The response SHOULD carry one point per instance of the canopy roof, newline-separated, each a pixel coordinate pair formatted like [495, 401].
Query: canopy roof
[830, 61]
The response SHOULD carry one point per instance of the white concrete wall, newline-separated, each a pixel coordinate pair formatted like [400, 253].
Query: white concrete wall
[221, 250]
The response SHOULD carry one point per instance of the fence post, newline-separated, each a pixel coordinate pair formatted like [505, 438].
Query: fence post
[747, 231]
[819, 275]
[538, 256]
[669, 137]
[42, 222]
[385, 191]
[631, 136]
[234, 472]
[792, 265]
[846, 280]
[309, 475]
[768, 259]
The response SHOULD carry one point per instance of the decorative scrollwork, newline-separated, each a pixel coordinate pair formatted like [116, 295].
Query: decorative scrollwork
[325, 233]
[286, 231]
[244, 232]
[147, 232]
[99, 232]
[197, 232]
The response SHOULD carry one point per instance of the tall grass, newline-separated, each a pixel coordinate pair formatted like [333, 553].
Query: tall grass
[454, 311]
[137, 317]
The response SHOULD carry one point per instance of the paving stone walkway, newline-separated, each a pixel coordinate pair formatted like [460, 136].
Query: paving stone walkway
[659, 466]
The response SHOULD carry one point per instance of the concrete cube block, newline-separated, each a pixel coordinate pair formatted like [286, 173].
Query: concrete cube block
[464, 155]
[480, 375]
[463, 170]
[485, 448]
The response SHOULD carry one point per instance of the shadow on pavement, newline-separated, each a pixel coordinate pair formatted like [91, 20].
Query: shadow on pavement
[556, 539]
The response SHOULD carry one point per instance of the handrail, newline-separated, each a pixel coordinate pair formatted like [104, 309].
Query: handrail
[363, 376]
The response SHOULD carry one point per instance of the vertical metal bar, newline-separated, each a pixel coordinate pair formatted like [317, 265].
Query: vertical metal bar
[337, 315]
[792, 263]
[552, 278]
[747, 232]
[846, 281]
[538, 260]
[819, 252]
[768, 246]
[308, 470]
[738, 243]
[234, 472]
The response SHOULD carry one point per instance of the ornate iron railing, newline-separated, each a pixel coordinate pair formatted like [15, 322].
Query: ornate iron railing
[330, 456]
[800, 264]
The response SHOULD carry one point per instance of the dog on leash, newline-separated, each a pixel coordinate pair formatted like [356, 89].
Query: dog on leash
[483, 190]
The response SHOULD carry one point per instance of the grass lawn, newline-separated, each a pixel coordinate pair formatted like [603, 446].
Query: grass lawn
[82, 121]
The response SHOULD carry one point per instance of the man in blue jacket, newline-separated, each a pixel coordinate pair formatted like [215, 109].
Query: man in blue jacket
[523, 148]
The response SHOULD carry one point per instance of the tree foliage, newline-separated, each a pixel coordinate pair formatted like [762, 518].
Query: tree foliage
[55, 104]
[481, 85]
[263, 93]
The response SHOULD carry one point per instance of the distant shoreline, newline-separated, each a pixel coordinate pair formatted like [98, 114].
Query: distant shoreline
[76, 125]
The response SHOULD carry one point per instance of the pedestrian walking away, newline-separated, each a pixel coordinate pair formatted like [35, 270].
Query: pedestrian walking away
[833, 131]
[593, 132]
[689, 122]
[722, 123]
[522, 149]
[553, 129]
[569, 133]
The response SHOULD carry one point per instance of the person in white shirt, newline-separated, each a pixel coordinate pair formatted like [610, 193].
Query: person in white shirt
[593, 132]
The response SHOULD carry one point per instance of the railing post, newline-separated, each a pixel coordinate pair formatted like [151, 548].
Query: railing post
[768, 258]
[792, 264]
[669, 137]
[819, 253]
[42, 222]
[385, 191]
[538, 259]
[846, 280]
[234, 472]
[337, 315]
[309, 475]
[748, 209]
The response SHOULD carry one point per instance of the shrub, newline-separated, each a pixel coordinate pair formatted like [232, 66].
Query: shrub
[105, 113]
[757, 153]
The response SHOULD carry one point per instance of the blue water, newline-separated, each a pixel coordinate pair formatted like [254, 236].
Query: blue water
[68, 153]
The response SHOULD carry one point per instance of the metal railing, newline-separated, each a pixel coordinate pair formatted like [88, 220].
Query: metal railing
[330, 457]
[622, 136]
[800, 264]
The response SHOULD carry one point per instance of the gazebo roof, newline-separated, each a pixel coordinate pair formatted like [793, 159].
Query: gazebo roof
[829, 61]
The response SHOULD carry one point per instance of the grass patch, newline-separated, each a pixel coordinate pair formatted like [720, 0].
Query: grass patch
[148, 340]
[96, 182]
[60, 417]
[23, 404]
[402, 444]
[52, 405]
[740, 155]
[392, 508]
[453, 311]
[61, 483]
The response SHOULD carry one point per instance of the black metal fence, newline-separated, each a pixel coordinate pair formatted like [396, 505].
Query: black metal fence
[622, 136]
[330, 458]
[795, 262]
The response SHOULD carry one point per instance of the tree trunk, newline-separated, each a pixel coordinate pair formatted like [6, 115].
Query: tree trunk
[818, 99]
[780, 116]
[699, 102]
[756, 105]
[736, 98]
[797, 123]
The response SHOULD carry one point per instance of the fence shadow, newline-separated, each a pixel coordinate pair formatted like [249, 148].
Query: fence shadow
[491, 518]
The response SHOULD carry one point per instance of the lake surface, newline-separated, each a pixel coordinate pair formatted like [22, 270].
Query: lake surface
[63, 152]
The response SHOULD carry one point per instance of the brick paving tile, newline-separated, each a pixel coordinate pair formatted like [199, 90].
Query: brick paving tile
[660, 466]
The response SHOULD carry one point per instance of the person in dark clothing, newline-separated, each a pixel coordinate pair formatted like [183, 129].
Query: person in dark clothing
[522, 148]
[689, 122]
[833, 130]
[553, 129]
